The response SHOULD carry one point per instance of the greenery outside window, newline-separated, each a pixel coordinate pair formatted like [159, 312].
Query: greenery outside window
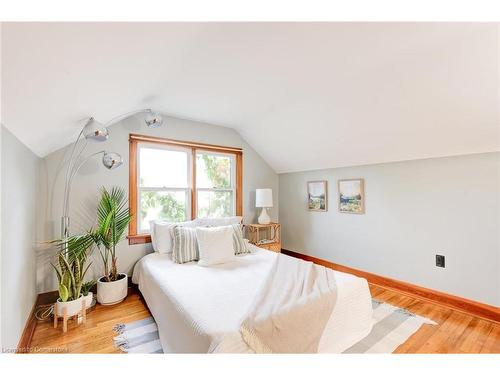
[179, 180]
[164, 189]
[215, 185]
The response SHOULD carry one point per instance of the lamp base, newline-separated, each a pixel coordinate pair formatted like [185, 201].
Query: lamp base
[264, 217]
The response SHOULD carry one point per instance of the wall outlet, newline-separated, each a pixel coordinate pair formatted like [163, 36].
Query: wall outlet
[440, 261]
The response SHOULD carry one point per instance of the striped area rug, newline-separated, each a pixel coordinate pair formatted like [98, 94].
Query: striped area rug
[392, 326]
[140, 336]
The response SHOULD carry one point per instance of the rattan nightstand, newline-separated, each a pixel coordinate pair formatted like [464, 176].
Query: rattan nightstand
[266, 236]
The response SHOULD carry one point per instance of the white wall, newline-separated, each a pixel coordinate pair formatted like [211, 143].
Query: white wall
[414, 210]
[85, 192]
[1, 122]
[19, 186]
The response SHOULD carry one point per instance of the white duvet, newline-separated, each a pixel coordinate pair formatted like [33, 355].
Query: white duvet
[200, 309]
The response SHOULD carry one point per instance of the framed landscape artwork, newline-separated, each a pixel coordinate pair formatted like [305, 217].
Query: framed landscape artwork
[317, 199]
[352, 196]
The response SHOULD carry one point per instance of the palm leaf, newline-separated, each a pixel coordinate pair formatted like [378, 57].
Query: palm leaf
[85, 271]
[113, 218]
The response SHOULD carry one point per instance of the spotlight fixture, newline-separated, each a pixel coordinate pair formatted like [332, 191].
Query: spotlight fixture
[95, 131]
[153, 119]
[112, 160]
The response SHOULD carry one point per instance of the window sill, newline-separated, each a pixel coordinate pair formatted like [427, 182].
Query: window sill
[137, 239]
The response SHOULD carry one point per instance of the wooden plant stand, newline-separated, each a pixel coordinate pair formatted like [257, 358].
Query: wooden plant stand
[65, 317]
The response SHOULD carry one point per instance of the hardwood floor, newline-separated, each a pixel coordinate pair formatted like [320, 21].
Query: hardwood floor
[96, 335]
[456, 332]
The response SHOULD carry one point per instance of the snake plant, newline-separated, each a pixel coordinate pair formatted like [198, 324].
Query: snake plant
[87, 286]
[72, 265]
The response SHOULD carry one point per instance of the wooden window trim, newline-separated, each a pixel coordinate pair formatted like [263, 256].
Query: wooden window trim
[134, 139]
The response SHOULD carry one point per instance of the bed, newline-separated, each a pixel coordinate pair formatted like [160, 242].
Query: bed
[200, 309]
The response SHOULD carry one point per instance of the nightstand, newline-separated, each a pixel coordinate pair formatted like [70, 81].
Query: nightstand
[266, 236]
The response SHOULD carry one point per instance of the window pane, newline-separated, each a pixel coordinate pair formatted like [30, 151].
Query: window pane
[213, 171]
[163, 168]
[165, 205]
[215, 203]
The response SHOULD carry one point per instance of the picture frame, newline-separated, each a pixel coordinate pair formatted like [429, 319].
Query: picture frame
[351, 198]
[317, 196]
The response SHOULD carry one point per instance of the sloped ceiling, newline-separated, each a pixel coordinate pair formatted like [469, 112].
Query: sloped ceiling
[304, 95]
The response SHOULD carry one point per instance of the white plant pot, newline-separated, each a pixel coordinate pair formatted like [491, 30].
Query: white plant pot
[72, 307]
[112, 292]
[88, 299]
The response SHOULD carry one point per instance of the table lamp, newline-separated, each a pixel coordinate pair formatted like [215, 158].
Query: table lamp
[264, 199]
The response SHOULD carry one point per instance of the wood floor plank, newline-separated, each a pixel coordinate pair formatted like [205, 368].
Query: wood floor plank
[419, 338]
[475, 336]
[447, 333]
[492, 343]
[455, 332]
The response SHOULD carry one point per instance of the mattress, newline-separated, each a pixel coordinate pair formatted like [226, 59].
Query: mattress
[200, 309]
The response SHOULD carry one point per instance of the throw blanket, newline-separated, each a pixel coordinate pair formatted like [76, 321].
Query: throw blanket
[292, 309]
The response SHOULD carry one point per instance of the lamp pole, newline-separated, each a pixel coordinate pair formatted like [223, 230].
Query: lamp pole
[67, 191]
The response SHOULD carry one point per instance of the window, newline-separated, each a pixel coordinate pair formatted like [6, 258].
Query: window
[215, 187]
[164, 188]
[177, 181]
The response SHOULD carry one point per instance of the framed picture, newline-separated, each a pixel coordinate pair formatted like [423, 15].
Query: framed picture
[317, 197]
[352, 196]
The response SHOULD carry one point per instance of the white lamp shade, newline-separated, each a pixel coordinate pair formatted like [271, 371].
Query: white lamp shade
[263, 197]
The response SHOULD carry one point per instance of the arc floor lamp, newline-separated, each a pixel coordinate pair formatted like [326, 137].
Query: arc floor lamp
[97, 132]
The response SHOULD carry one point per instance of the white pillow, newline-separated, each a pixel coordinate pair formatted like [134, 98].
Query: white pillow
[217, 221]
[152, 233]
[161, 237]
[215, 245]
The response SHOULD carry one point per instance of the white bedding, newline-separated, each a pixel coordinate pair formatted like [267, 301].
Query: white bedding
[200, 309]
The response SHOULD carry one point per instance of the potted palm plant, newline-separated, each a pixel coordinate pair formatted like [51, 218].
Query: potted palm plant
[113, 218]
[71, 269]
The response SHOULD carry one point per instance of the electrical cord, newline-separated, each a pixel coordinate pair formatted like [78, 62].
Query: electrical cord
[46, 312]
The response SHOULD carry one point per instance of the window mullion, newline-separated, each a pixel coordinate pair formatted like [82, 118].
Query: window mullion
[193, 184]
[163, 188]
[215, 189]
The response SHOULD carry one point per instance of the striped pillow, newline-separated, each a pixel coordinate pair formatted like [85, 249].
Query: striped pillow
[184, 244]
[239, 244]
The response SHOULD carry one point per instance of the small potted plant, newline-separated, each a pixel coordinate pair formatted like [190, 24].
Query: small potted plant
[113, 218]
[87, 292]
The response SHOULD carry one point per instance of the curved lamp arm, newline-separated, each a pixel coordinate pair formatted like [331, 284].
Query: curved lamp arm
[114, 161]
[70, 165]
[126, 115]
